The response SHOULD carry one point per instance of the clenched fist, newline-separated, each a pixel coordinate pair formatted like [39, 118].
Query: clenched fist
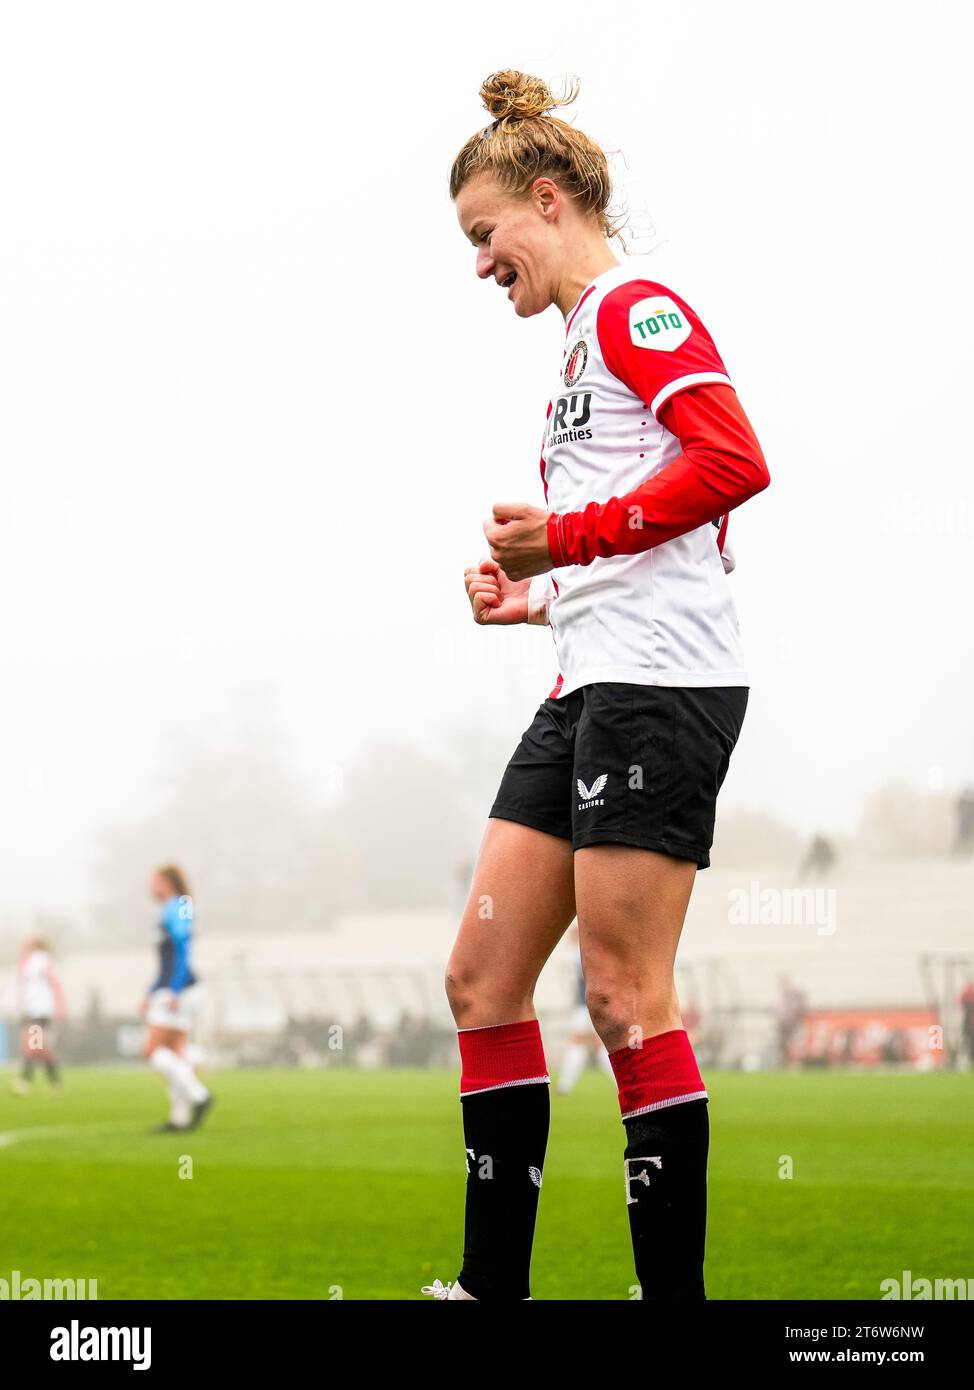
[518, 540]
[493, 597]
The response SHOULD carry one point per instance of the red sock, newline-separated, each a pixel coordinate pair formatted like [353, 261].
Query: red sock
[504, 1095]
[661, 1072]
[509, 1054]
[664, 1107]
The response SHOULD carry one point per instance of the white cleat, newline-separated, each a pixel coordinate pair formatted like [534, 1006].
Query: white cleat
[447, 1292]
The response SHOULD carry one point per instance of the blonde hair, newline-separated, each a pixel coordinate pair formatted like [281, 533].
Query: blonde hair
[524, 143]
[176, 879]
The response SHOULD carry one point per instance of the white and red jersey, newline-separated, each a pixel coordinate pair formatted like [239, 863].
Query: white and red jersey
[664, 614]
[37, 989]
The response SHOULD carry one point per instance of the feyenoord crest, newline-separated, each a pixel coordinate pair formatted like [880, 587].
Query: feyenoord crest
[577, 360]
[639, 1175]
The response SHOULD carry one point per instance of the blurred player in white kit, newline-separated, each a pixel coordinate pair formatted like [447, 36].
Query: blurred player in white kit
[40, 1001]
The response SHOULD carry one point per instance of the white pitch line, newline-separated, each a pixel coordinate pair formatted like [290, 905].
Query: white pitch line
[14, 1136]
[17, 1136]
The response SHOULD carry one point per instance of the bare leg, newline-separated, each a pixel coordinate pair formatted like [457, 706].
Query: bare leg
[631, 908]
[521, 902]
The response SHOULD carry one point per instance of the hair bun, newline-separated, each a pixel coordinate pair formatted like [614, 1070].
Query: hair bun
[517, 95]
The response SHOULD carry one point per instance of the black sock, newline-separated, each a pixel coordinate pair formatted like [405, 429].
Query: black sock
[27, 1071]
[505, 1132]
[52, 1074]
[666, 1188]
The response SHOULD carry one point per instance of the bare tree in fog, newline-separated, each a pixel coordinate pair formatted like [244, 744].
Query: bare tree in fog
[243, 823]
[53, 927]
[903, 821]
[262, 851]
[406, 827]
[754, 839]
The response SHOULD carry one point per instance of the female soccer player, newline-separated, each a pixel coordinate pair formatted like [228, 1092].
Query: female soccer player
[606, 809]
[171, 1002]
[40, 1000]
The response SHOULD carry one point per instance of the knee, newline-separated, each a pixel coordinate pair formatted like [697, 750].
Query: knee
[479, 997]
[611, 1011]
[622, 1012]
[461, 992]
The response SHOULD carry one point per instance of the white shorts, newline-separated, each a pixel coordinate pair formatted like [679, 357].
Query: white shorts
[176, 1011]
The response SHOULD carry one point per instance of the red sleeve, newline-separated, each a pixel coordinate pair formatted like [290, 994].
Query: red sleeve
[653, 341]
[720, 467]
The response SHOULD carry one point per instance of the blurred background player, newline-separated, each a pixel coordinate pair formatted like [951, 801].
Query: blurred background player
[40, 1000]
[172, 1003]
[790, 1011]
[584, 1043]
[964, 838]
[967, 1020]
[819, 858]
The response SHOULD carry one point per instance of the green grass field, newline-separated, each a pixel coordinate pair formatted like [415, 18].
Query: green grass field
[305, 1183]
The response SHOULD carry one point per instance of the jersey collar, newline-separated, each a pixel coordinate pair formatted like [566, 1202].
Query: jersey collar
[626, 266]
[593, 284]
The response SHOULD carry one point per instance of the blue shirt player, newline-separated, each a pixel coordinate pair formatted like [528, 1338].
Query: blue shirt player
[175, 938]
[170, 1003]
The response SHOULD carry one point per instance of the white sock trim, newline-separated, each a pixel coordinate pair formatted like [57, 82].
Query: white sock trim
[663, 1104]
[503, 1085]
[482, 1027]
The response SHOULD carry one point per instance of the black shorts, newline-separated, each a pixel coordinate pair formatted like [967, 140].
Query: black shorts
[624, 764]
